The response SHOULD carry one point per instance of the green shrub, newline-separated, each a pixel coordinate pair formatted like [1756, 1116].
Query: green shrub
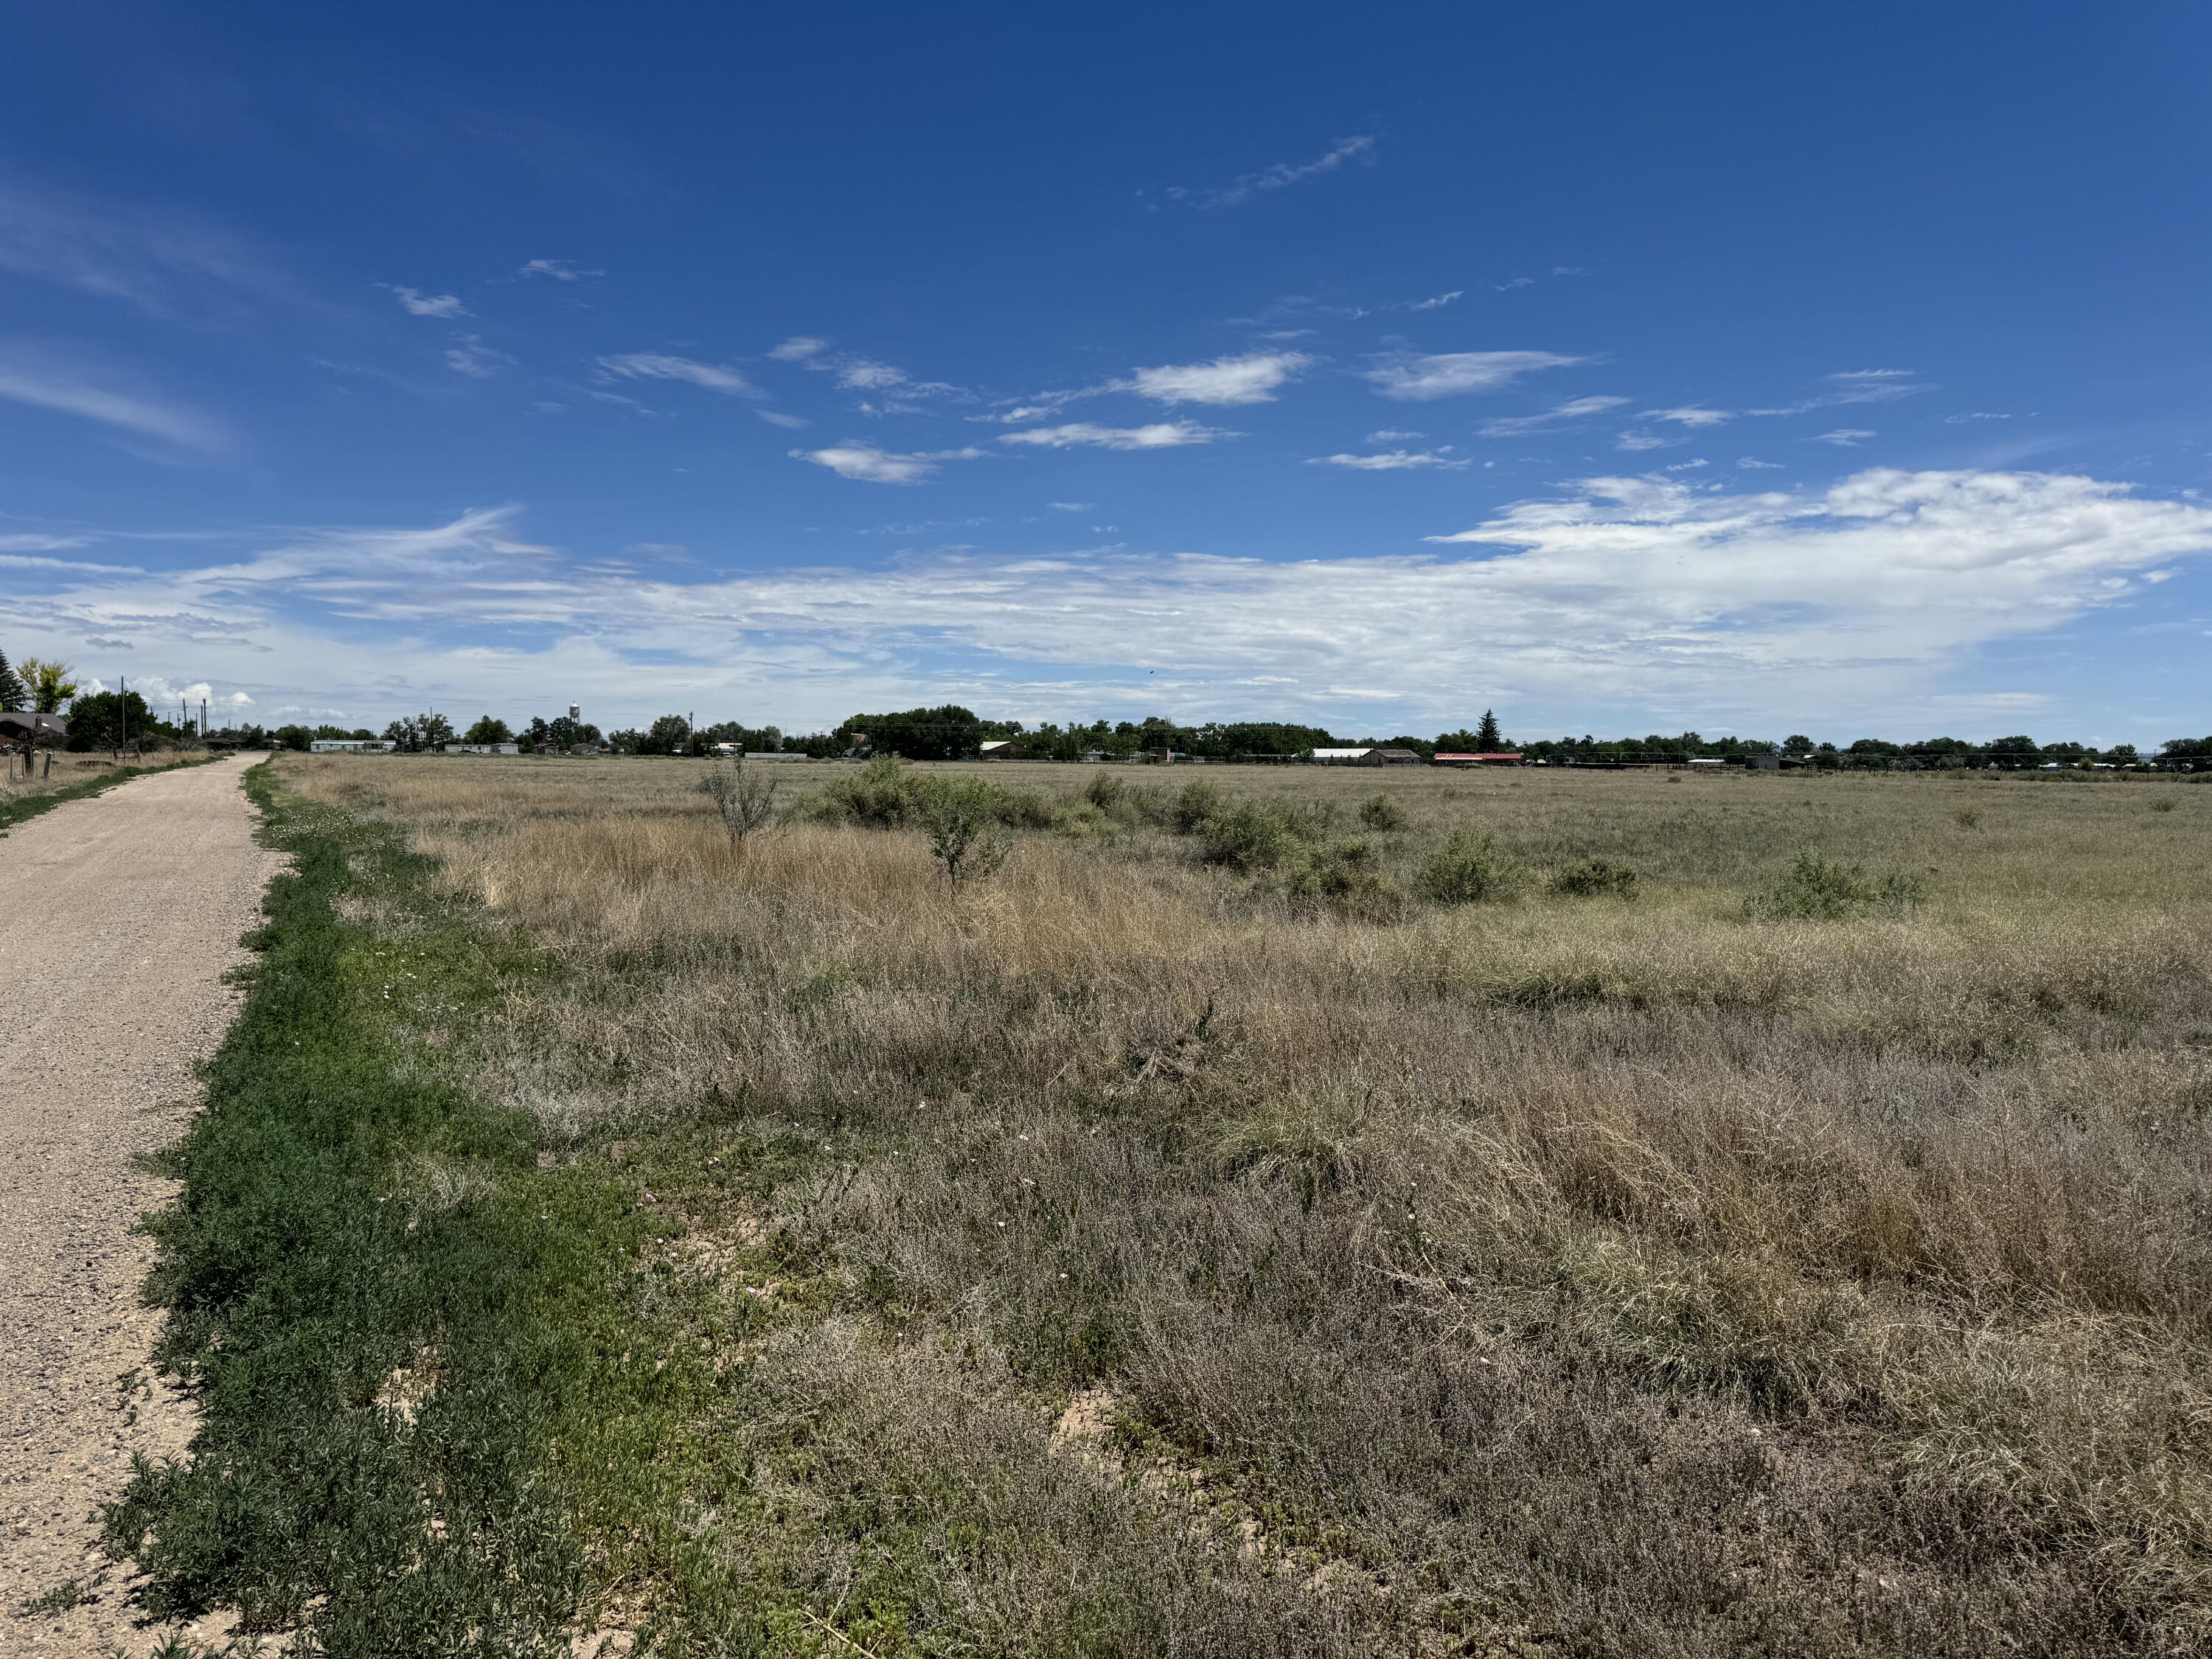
[1595, 877]
[1379, 811]
[1469, 868]
[1347, 876]
[1822, 888]
[1246, 836]
[886, 794]
[963, 834]
[1199, 800]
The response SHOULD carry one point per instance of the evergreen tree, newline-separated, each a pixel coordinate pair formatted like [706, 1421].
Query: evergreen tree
[14, 696]
[1487, 741]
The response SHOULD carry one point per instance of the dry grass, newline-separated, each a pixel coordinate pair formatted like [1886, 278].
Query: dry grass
[1639, 1276]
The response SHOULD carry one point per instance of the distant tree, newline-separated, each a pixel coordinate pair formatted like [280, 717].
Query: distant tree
[1488, 740]
[107, 719]
[949, 732]
[565, 733]
[669, 735]
[50, 683]
[488, 729]
[14, 696]
[1797, 745]
[2123, 753]
[406, 734]
[284, 736]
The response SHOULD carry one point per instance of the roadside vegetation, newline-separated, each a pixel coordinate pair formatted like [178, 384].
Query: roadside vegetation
[1276, 1212]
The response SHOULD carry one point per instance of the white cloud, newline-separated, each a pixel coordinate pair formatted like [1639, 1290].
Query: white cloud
[1977, 414]
[1874, 597]
[40, 379]
[1438, 302]
[1693, 414]
[1253, 379]
[1689, 467]
[1392, 436]
[799, 348]
[1844, 437]
[1396, 460]
[1161, 434]
[869, 464]
[418, 304]
[1575, 408]
[1072, 507]
[1635, 442]
[560, 271]
[165, 262]
[776, 417]
[1281, 176]
[35, 544]
[476, 360]
[1413, 377]
[660, 365]
[1858, 386]
[1752, 463]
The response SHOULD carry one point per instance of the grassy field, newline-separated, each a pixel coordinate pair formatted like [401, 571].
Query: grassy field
[1285, 1211]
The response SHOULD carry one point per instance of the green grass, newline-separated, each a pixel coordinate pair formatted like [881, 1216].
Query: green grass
[25, 807]
[348, 1220]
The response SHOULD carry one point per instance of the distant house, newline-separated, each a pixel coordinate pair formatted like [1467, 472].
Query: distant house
[482, 748]
[351, 746]
[1001, 749]
[1707, 760]
[1498, 759]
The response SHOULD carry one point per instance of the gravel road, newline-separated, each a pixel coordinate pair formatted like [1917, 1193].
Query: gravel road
[120, 914]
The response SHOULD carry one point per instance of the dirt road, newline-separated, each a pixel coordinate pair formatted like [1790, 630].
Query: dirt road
[119, 916]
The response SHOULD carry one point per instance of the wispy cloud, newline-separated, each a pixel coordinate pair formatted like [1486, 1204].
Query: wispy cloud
[1392, 436]
[1752, 464]
[479, 361]
[1252, 378]
[1437, 302]
[1395, 460]
[1635, 442]
[1575, 408]
[799, 348]
[418, 304]
[661, 366]
[560, 271]
[1161, 434]
[1691, 414]
[1844, 437]
[1977, 414]
[1857, 385]
[777, 418]
[1281, 176]
[853, 372]
[39, 378]
[1415, 377]
[869, 464]
[164, 261]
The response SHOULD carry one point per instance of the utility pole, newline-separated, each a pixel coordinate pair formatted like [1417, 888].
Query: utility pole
[123, 701]
[203, 719]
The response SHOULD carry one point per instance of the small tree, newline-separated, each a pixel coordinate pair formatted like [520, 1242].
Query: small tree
[964, 835]
[14, 696]
[1488, 740]
[50, 683]
[744, 798]
[488, 729]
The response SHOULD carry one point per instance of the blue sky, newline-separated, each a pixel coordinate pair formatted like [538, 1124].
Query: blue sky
[1759, 369]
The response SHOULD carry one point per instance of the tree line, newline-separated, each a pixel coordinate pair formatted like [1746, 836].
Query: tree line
[106, 719]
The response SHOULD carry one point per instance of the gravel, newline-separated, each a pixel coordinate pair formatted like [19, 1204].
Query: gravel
[121, 914]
